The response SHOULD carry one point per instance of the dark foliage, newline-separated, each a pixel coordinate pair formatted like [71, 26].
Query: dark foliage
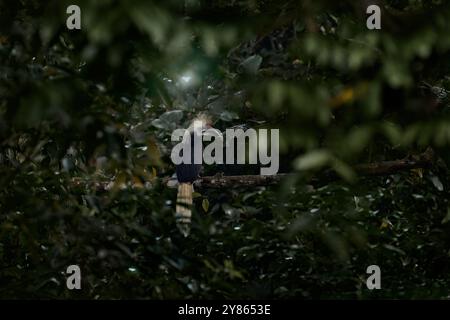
[85, 123]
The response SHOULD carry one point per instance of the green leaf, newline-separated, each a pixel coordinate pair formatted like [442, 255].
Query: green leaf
[251, 64]
[205, 204]
[447, 217]
[344, 170]
[312, 160]
[437, 183]
[173, 116]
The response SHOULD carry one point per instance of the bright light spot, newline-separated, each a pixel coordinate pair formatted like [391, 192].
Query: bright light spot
[186, 79]
[132, 269]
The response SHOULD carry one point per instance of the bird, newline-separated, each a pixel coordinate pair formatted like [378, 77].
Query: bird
[187, 173]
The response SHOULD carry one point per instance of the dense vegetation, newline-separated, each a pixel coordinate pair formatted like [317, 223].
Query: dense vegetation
[85, 123]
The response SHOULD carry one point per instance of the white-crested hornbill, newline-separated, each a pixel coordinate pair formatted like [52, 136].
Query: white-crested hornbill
[187, 173]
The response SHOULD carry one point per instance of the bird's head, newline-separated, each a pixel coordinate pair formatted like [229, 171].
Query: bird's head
[202, 120]
[201, 123]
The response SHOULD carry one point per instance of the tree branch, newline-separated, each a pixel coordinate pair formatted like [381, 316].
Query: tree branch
[424, 160]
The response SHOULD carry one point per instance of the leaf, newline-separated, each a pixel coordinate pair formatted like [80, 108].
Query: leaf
[447, 217]
[345, 96]
[168, 119]
[419, 172]
[228, 116]
[311, 160]
[395, 249]
[137, 183]
[231, 271]
[344, 170]
[158, 123]
[251, 64]
[172, 116]
[437, 183]
[154, 154]
[205, 204]
[386, 224]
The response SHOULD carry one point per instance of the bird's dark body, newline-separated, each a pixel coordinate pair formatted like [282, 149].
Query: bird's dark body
[188, 172]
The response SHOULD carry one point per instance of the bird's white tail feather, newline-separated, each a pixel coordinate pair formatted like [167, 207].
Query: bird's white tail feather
[183, 207]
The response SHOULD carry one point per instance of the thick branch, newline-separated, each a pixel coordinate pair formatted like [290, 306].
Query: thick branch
[220, 181]
[423, 160]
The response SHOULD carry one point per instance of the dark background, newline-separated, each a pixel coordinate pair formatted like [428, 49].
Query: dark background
[85, 123]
